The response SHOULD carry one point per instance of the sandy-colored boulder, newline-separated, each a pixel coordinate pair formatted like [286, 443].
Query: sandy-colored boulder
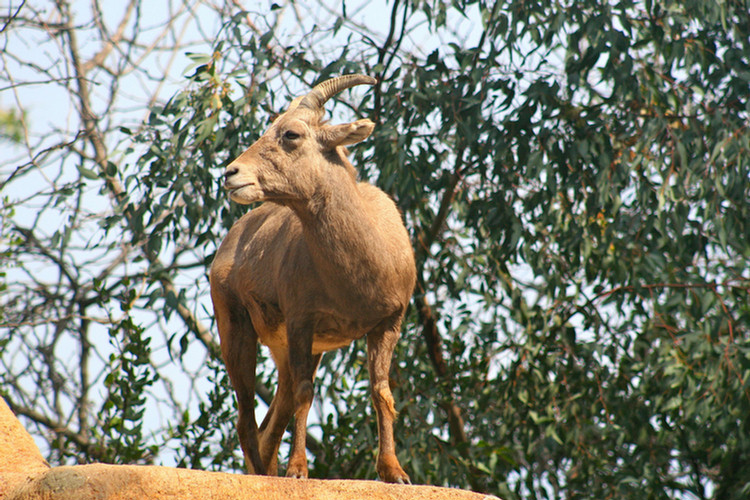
[19, 455]
[25, 475]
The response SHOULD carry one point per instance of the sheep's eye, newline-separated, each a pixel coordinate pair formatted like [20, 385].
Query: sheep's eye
[290, 135]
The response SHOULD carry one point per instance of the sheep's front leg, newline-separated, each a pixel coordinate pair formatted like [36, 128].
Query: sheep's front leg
[239, 346]
[302, 366]
[380, 346]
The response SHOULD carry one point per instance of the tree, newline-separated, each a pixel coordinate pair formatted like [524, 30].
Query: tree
[574, 178]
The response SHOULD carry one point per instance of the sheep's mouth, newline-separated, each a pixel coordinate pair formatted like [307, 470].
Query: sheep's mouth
[232, 188]
[235, 192]
[244, 193]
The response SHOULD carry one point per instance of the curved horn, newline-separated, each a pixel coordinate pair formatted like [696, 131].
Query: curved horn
[329, 88]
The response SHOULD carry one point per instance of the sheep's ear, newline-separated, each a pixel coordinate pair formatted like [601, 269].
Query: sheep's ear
[347, 133]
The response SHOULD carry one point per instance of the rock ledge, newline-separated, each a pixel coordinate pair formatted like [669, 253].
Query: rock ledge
[25, 475]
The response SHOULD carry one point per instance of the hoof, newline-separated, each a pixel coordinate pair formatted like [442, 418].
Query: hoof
[390, 471]
[297, 472]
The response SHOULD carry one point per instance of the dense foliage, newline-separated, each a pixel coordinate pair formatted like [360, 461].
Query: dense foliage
[575, 177]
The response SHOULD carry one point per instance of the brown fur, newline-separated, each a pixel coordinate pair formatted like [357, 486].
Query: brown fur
[323, 261]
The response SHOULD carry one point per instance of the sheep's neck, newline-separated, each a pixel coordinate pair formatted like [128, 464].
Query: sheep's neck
[344, 239]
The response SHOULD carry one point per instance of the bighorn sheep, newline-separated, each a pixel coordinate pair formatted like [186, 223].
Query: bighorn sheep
[324, 261]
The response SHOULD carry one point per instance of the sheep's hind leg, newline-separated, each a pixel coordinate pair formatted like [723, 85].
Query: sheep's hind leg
[302, 365]
[278, 416]
[380, 346]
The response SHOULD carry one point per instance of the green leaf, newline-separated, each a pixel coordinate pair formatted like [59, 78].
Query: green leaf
[87, 173]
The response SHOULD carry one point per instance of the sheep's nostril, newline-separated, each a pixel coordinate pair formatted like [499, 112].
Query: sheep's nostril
[230, 172]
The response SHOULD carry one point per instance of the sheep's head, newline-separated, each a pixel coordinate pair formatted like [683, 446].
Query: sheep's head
[282, 163]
